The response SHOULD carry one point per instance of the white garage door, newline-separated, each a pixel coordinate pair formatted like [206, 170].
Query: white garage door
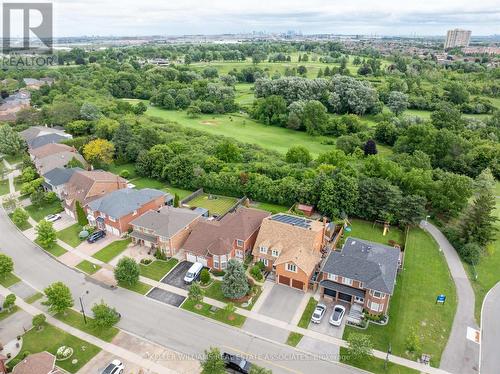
[190, 257]
[202, 260]
[69, 212]
[112, 230]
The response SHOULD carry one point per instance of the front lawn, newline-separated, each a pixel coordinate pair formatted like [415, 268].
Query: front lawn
[294, 338]
[35, 297]
[413, 305]
[157, 269]
[368, 231]
[55, 250]
[219, 314]
[216, 205]
[5, 313]
[22, 227]
[70, 235]
[75, 319]
[374, 365]
[112, 250]
[4, 187]
[139, 287]
[40, 212]
[214, 291]
[9, 280]
[50, 339]
[307, 314]
[88, 267]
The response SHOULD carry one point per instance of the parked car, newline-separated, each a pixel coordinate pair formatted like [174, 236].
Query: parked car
[53, 217]
[193, 273]
[96, 235]
[318, 313]
[337, 315]
[114, 367]
[236, 363]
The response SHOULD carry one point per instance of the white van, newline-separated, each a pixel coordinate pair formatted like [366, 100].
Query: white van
[193, 273]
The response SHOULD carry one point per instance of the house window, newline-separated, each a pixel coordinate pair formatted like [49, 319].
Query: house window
[112, 219]
[291, 267]
[223, 265]
[381, 307]
[264, 261]
[263, 250]
[275, 253]
[239, 253]
[374, 306]
[333, 277]
[239, 243]
[216, 262]
[163, 239]
[361, 284]
[358, 299]
[347, 281]
[377, 294]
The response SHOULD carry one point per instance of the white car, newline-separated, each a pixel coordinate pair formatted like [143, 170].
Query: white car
[114, 367]
[337, 315]
[318, 313]
[53, 217]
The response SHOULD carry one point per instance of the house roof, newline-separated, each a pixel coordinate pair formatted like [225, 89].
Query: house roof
[342, 288]
[297, 240]
[50, 149]
[59, 176]
[42, 140]
[56, 160]
[167, 221]
[35, 131]
[374, 264]
[120, 203]
[217, 237]
[37, 363]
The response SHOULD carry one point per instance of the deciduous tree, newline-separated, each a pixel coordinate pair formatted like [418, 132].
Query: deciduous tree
[99, 152]
[46, 234]
[59, 298]
[127, 271]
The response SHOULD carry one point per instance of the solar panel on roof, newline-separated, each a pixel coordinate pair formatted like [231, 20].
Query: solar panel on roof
[291, 220]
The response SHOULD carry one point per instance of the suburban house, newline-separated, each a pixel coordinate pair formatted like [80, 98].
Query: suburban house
[56, 179]
[35, 84]
[57, 160]
[37, 363]
[362, 272]
[12, 104]
[49, 149]
[38, 136]
[166, 229]
[290, 246]
[213, 243]
[86, 186]
[114, 211]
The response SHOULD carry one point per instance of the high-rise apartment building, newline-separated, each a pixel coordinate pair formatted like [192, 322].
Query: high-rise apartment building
[457, 38]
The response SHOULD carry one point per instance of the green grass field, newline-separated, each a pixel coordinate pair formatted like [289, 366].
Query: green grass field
[218, 205]
[157, 269]
[368, 231]
[220, 315]
[9, 280]
[413, 306]
[55, 250]
[143, 182]
[75, 319]
[23, 227]
[141, 288]
[88, 267]
[374, 365]
[214, 291]
[35, 297]
[39, 213]
[112, 250]
[4, 187]
[70, 235]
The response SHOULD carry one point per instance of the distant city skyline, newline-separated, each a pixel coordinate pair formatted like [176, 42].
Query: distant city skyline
[383, 17]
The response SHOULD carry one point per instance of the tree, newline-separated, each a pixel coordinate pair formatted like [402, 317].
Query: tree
[227, 151]
[37, 198]
[28, 174]
[6, 265]
[360, 346]
[205, 276]
[471, 252]
[46, 234]
[80, 214]
[38, 321]
[104, 316]
[75, 163]
[176, 200]
[235, 282]
[370, 147]
[213, 362]
[412, 341]
[193, 111]
[20, 217]
[127, 271]
[397, 102]
[456, 93]
[90, 112]
[195, 293]
[99, 152]
[59, 298]
[11, 142]
[298, 154]
[140, 108]
[254, 369]
[386, 133]
[9, 302]
[270, 110]
[314, 117]
[10, 202]
[339, 196]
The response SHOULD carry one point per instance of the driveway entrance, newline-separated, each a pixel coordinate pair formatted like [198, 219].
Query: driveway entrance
[282, 302]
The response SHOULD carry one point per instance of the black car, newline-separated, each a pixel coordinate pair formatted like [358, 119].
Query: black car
[95, 236]
[236, 364]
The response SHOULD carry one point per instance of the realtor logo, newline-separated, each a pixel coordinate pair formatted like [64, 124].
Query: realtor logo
[27, 27]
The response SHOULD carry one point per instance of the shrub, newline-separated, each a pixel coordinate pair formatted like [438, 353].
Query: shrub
[413, 341]
[218, 273]
[38, 321]
[256, 272]
[146, 261]
[205, 276]
[125, 173]
[159, 255]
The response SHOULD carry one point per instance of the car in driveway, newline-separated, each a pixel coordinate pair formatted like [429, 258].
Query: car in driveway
[236, 364]
[337, 315]
[318, 313]
[53, 217]
[114, 367]
[95, 236]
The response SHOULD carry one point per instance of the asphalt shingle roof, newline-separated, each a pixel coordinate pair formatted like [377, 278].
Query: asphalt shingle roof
[59, 176]
[167, 222]
[40, 141]
[374, 264]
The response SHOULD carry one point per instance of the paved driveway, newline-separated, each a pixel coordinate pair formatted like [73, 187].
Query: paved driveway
[22, 290]
[91, 248]
[176, 276]
[324, 326]
[166, 297]
[15, 325]
[282, 302]
[64, 222]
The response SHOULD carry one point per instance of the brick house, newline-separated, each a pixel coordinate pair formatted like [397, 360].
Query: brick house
[214, 243]
[37, 363]
[166, 229]
[57, 160]
[56, 179]
[49, 149]
[362, 272]
[86, 186]
[114, 211]
[290, 246]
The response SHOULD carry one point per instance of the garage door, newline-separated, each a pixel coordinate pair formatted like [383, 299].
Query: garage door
[297, 284]
[190, 257]
[202, 260]
[69, 212]
[331, 293]
[112, 230]
[345, 297]
[284, 280]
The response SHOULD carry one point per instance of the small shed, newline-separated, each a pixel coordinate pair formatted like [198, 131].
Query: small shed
[308, 210]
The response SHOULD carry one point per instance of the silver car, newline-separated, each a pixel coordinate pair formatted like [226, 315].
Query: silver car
[318, 313]
[337, 315]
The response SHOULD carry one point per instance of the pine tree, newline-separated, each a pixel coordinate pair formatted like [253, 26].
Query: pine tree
[370, 147]
[235, 282]
[80, 214]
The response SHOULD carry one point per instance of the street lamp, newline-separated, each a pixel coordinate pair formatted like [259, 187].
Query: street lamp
[83, 308]
[426, 218]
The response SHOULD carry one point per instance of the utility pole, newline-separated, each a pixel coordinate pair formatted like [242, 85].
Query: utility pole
[83, 308]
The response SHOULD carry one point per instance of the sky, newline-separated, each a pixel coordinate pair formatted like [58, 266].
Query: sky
[180, 17]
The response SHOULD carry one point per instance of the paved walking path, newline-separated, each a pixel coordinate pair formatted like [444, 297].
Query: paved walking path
[461, 355]
[490, 332]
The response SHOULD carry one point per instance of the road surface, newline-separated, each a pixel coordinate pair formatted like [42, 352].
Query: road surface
[490, 332]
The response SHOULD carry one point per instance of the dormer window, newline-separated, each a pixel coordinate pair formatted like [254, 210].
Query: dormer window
[275, 253]
[291, 267]
[263, 250]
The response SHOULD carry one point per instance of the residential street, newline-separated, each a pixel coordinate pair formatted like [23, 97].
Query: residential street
[461, 355]
[168, 326]
[490, 332]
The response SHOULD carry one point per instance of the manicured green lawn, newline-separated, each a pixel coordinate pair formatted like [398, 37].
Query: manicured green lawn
[56, 250]
[273, 208]
[306, 315]
[39, 213]
[88, 267]
[294, 338]
[143, 182]
[14, 159]
[217, 205]
[157, 269]
[31, 299]
[367, 231]
[219, 315]
[70, 235]
[75, 319]
[214, 291]
[374, 365]
[140, 287]
[9, 280]
[112, 250]
[179, 191]
[413, 305]
[22, 227]
[4, 187]
[50, 339]
[117, 169]
[5, 313]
